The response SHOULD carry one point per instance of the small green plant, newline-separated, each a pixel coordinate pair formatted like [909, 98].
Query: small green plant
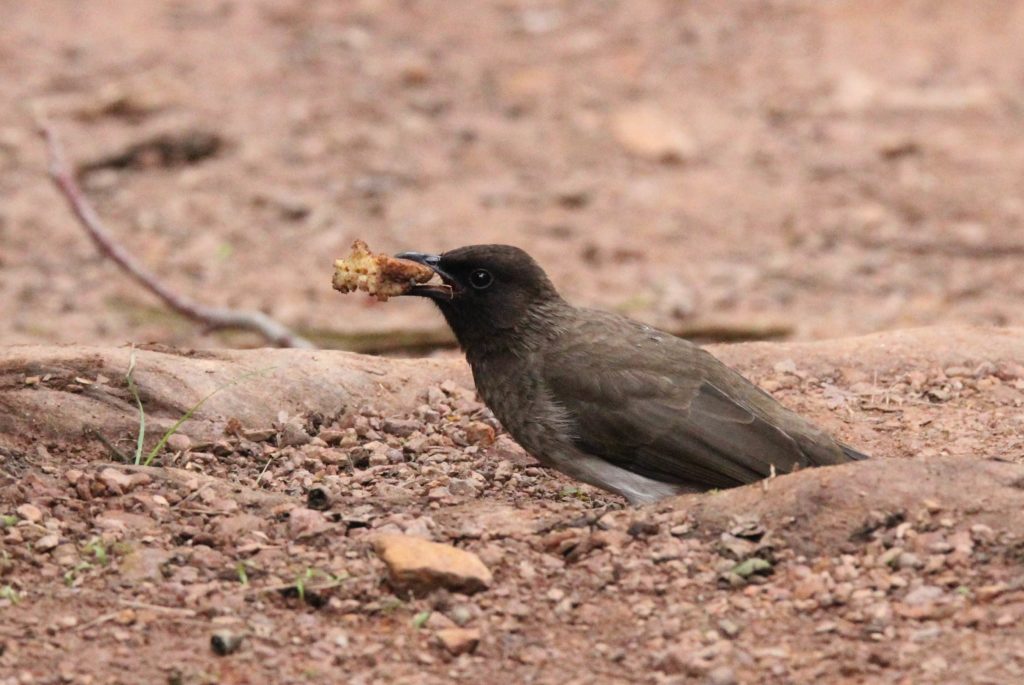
[304, 579]
[301, 580]
[99, 551]
[147, 459]
[71, 575]
[243, 575]
[389, 605]
[8, 520]
[9, 593]
[572, 492]
[752, 566]
[121, 548]
[420, 619]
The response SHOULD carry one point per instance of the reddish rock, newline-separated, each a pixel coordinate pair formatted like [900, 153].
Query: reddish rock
[29, 512]
[459, 640]
[422, 566]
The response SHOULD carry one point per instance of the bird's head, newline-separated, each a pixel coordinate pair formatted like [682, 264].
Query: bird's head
[486, 289]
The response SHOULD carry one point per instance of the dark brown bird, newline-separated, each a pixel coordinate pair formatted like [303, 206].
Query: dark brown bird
[605, 399]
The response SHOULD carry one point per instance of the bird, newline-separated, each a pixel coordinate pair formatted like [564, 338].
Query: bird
[608, 400]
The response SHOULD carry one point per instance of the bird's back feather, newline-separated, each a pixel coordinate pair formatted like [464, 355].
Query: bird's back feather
[664, 408]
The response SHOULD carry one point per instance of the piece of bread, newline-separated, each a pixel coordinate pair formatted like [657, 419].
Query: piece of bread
[377, 274]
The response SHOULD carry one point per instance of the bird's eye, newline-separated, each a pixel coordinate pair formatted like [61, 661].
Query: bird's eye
[480, 279]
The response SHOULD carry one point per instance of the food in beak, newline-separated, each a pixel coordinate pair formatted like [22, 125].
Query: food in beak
[380, 275]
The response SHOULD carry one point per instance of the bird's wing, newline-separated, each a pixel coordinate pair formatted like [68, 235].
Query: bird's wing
[666, 409]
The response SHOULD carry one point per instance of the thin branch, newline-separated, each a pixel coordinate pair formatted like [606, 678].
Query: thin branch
[99, 620]
[951, 248]
[158, 608]
[213, 317]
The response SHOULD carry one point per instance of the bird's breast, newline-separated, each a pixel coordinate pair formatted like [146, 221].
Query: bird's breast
[517, 396]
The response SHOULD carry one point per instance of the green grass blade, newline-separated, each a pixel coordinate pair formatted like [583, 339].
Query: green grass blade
[187, 415]
[130, 378]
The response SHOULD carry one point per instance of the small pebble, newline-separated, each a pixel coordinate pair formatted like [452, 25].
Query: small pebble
[723, 675]
[29, 512]
[224, 642]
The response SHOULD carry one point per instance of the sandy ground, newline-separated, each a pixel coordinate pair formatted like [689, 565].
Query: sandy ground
[834, 168]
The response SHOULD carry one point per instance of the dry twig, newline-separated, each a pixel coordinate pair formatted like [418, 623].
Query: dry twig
[158, 608]
[212, 317]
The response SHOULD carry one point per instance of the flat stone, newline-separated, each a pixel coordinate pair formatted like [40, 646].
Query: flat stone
[29, 512]
[46, 543]
[422, 566]
[229, 529]
[923, 595]
[459, 640]
[144, 563]
[293, 434]
[438, 621]
[118, 520]
[260, 434]
[304, 522]
[402, 428]
[723, 675]
[479, 433]
[331, 436]
[179, 442]
[646, 130]
[115, 481]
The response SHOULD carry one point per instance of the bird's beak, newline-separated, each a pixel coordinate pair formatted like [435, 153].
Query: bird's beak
[435, 291]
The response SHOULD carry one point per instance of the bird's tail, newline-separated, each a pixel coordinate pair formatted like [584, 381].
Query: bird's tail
[852, 454]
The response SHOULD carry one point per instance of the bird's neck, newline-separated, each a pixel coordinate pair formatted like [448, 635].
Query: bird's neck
[519, 340]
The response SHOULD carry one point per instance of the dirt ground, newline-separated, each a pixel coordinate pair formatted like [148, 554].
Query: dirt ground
[826, 169]
[263, 526]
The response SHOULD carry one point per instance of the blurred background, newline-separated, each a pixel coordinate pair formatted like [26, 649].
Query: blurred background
[802, 168]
